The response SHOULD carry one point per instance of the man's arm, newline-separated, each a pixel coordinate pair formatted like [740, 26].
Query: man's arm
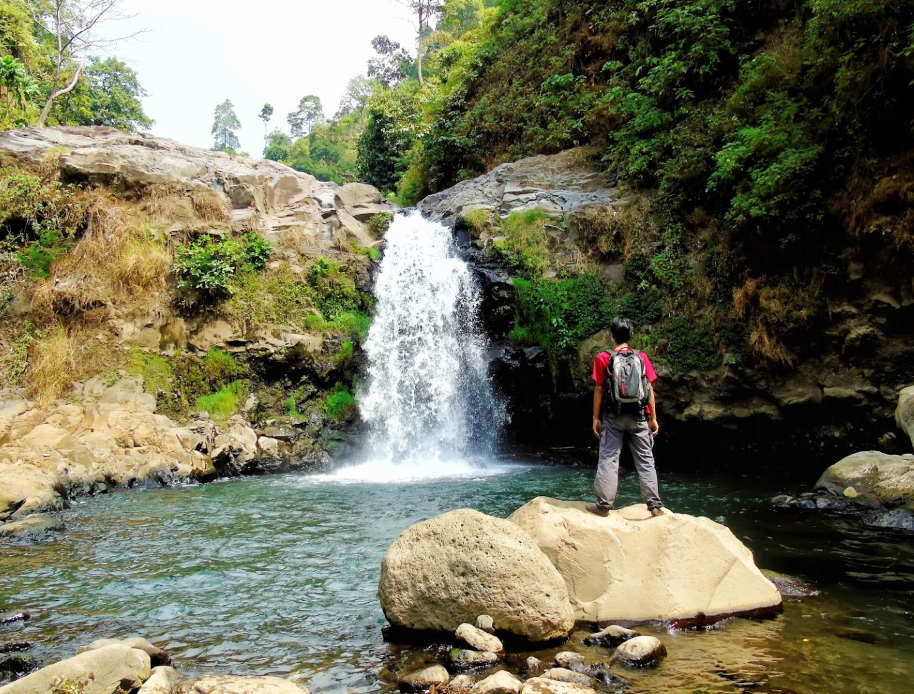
[597, 402]
[652, 422]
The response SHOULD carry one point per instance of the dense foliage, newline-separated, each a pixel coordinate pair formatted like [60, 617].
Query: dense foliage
[209, 268]
[33, 66]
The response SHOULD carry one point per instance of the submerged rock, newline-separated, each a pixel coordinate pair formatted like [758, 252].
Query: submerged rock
[425, 678]
[610, 637]
[32, 526]
[565, 675]
[447, 570]
[478, 639]
[100, 671]
[631, 566]
[461, 683]
[466, 658]
[533, 665]
[569, 660]
[641, 651]
[790, 586]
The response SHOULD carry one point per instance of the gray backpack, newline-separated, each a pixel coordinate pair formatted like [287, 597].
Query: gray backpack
[627, 383]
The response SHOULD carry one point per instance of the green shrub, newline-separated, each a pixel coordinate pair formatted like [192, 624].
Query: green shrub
[344, 356]
[691, 346]
[208, 268]
[334, 291]
[339, 403]
[380, 223]
[352, 323]
[155, 370]
[219, 366]
[224, 402]
[526, 243]
[477, 219]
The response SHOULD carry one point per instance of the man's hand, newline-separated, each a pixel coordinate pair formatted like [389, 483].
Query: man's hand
[654, 426]
[597, 427]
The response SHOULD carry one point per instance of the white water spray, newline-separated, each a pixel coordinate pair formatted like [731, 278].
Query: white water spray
[427, 400]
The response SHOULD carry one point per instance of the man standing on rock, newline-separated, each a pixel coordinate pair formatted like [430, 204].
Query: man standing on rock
[624, 378]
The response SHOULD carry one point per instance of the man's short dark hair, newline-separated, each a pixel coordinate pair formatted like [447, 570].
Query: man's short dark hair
[621, 329]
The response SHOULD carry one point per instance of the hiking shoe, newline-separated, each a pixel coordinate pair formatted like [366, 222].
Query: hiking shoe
[599, 510]
[656, 511]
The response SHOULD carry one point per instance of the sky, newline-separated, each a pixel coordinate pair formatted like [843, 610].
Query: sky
[194, 54]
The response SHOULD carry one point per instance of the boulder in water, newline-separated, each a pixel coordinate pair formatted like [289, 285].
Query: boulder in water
[569, 660]
[631, 566]
[565, 675]
[877, 479]
[470, 659]
[100, 671]
[444, 571]
[641, 651]
[162, 681]
[156, 655]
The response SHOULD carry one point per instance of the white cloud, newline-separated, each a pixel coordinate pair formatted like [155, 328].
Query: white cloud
[197, 53]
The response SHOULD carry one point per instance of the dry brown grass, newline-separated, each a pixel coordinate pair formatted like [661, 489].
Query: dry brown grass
[192, 210]
[767, 347]
[744, 296]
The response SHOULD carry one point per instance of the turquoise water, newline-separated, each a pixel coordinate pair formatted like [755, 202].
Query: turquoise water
[278, 575]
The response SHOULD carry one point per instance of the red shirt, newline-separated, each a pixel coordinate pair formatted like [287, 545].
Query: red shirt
[601, 363]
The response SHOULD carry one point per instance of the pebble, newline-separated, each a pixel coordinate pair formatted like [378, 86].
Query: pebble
[486, 623]
[561, 674]
[570, 660]
[534, 665]
[461, 682]
[478, 639]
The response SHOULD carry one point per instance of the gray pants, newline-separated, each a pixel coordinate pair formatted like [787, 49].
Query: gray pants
[616, 428]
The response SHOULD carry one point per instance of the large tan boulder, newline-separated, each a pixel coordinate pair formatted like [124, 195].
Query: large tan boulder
[99, 671]
[447, 570]
[631, 566]
[871, 477]
[904, 413]
[229, 684]
[544, 685]
[161, 681]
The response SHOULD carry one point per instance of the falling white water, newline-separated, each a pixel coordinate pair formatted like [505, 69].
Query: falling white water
[427, 399]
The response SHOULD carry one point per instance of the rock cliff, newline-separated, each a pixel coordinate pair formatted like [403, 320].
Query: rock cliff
[113, 375]
[717, 395]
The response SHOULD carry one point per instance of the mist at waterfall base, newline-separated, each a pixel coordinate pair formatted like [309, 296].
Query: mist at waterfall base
[427, 402]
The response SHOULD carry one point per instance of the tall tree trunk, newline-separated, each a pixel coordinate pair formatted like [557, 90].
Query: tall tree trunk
[419, 48]
[53, 95]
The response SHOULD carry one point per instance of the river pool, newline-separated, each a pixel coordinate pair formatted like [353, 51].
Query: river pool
[278, 575]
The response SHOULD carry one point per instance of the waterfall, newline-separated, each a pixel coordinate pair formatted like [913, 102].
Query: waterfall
[426, 399]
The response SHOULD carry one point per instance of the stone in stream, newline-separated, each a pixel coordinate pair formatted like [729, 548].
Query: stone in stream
[544, 685]
[631, 566]
[447, 570]
[465, 658]
[502, 682]
[461, 683]
[11, 617]
[602, 672]
[100, 671]
[570, 660]
[417, 680]
[878, 479]
[162, 680]
[478, 640]
[565, 675]
[533, 665]
[17, 664]
[486, 623]
[230, 684]
[641, 651]
[156, 655]
[790, 586]
[14, 646]
[610, 637]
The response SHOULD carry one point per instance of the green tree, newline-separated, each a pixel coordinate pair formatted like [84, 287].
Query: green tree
[70, 26]
[266, 113]
[309, 112]
[278, 145]
[18, 91]
[355, 98]
[225, 125]
[392, 64]
[108, 93]
[425, 11]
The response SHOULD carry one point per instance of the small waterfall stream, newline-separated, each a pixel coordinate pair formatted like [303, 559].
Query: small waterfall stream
[427, 399]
